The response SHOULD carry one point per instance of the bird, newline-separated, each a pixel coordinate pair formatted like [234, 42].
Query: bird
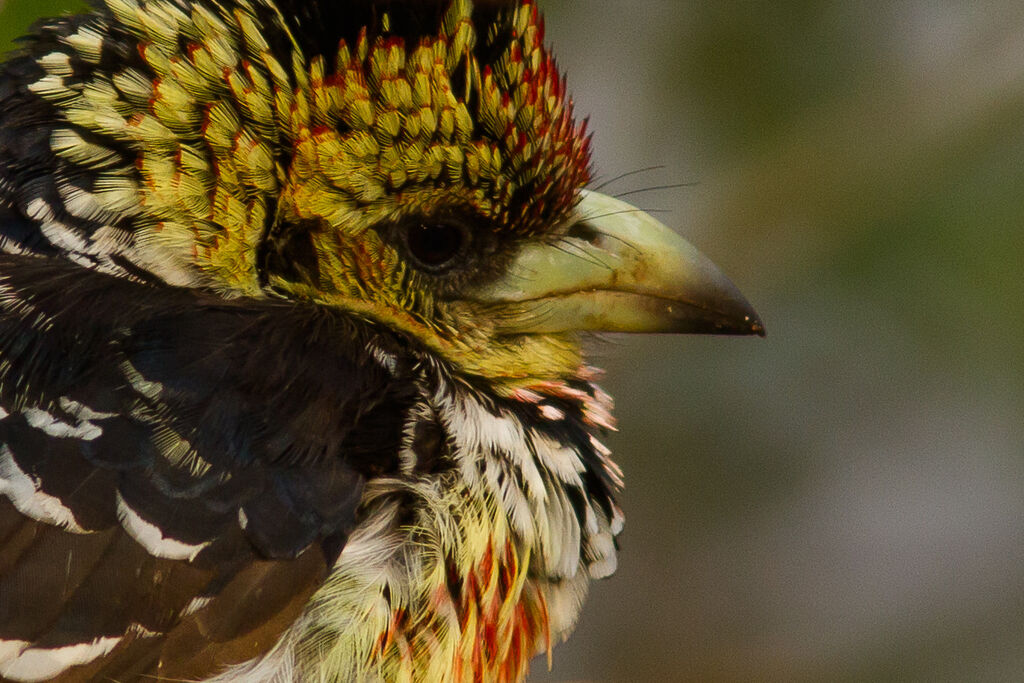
[293, 296]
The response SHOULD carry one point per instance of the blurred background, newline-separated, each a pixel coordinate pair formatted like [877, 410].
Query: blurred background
[844, 500]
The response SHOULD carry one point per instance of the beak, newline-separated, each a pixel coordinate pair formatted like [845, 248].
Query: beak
[617, 269]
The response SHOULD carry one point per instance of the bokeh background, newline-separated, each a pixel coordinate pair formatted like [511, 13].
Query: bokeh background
[844, 500]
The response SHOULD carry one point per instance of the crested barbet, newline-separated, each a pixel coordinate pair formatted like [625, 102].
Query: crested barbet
[291, 382]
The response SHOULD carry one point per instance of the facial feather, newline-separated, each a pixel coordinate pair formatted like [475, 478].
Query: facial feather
[246, 164]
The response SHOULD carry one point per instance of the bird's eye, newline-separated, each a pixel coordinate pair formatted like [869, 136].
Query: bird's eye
[436, 247]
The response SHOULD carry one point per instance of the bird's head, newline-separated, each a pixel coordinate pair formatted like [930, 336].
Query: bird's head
[416, 163]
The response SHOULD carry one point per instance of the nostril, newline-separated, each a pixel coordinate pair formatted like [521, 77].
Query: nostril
[583, 231]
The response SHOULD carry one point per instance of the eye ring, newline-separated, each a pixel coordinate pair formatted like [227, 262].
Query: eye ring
[436, 246]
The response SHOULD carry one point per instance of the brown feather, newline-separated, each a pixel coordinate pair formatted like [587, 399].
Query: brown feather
[245, 619]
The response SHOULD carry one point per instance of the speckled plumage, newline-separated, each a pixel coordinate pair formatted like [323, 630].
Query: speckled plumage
[204, 135]
[290, 380]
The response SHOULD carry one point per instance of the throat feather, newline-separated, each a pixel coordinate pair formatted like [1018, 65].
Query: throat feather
[466, 569]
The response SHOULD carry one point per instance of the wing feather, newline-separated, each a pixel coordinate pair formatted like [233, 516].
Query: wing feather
[174, 481]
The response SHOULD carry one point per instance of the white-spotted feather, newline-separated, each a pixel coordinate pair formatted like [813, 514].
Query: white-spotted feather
[150, 537]
[23, 492]
[41, 664]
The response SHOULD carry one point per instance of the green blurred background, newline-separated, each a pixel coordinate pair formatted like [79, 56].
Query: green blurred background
[843, 501]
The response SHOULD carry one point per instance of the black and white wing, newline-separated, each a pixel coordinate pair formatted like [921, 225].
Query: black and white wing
[177, 472]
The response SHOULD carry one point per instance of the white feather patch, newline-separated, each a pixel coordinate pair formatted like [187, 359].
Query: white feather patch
[9, 649]
[560, 535]
[82, 411]
[385, 359]
[601, 548]
[140, 631]
[492, 446]
[549, 412]
[44, 421]
[83, 204]
[618, 521]
[49, 86]
[152, 538]
[59, 235]
[563, 461]
[23, 492]
[56, 63]
[196, 604]
[87, 42]
[40, 664]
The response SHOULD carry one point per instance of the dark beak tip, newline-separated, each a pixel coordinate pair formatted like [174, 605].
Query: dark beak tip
[737, 315]
[750, 326]
[756, 326]
[741, 318]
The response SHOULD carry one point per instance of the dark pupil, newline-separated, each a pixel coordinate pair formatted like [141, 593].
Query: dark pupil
[435, 245]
